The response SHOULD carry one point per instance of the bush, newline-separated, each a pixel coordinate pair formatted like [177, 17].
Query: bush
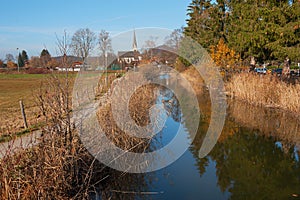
[40, 70]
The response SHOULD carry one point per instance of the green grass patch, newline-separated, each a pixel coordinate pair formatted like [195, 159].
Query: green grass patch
[9, 137]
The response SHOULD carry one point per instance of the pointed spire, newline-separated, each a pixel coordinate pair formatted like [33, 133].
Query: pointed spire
[134, 44]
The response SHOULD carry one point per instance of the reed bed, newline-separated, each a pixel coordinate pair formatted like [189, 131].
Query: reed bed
[265, 90]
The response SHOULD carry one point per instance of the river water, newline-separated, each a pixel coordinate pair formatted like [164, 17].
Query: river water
[256, 157]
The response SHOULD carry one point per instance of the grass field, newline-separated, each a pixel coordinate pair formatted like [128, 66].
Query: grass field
[16, 87]
[13, 88]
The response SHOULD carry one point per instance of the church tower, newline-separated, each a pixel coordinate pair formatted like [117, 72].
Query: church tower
[134, 44]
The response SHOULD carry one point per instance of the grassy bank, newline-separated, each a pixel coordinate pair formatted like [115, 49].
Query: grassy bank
[265, 90]
[60, 167]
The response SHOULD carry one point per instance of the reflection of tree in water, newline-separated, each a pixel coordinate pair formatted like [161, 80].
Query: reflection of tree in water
[276, 123]
[249, 164]
[170, 103]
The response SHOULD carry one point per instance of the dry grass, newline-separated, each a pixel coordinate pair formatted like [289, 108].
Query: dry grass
[59, 167]
[195, 79]
[139, 106]
[16, 87]
[265, 90]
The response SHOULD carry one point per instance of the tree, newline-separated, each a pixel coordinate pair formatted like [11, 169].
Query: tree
[206, 22]
[11, 64]
[24, 57]
[174, 39]
[21, 62]
[223, 56]
[264, 29]
[104, 44]
[64, 48]
[9, 57]
[35, 61]
[1, 63]
[45, 57]
[148, 47]
[83, 42]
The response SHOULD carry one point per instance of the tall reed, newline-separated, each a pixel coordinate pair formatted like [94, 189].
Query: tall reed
[265, 90]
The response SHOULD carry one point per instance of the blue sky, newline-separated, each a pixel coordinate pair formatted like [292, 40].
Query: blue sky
[31, 25]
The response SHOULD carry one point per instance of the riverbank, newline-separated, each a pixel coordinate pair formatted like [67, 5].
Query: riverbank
[265, 90]
[255, 89]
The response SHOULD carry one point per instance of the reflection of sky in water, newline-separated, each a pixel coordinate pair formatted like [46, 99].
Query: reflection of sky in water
[181, 179]
[279, 145]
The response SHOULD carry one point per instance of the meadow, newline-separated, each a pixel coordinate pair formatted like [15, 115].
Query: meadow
[16, 87]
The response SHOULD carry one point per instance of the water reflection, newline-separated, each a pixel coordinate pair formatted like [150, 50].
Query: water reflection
[256, 157]
[283, 126]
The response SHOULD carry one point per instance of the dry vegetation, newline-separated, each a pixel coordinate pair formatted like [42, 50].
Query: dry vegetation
[59, 167]
[140, 104]
[14, 87]
[265, 90]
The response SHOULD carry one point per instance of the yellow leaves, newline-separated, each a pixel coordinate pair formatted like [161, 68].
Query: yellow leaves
[223, 56]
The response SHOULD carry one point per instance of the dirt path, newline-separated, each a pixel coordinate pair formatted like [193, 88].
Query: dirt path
[19, 143]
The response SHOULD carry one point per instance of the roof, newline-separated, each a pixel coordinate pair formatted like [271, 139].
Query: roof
[128, 54]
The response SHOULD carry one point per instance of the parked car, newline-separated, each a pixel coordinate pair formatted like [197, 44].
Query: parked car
[260, 70]
[277, 71]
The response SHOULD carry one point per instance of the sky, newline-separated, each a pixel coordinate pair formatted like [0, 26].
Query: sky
[33, 25]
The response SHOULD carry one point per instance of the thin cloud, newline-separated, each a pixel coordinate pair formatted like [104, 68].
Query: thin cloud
[28, 29]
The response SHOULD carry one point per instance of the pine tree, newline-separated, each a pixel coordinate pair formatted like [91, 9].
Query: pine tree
[265, 29]
[24, 56]
[199, 25]
[45, 57]
[20, 61]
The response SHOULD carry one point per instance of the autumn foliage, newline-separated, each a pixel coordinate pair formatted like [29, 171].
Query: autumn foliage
[11, 64]
[223, 56]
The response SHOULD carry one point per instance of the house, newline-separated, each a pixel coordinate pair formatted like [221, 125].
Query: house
[130, 58]
[75, 67]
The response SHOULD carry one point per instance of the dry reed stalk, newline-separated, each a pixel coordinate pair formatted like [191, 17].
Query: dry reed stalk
[265, 90]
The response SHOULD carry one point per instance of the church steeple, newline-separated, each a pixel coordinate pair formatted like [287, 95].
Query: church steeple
[134, 44]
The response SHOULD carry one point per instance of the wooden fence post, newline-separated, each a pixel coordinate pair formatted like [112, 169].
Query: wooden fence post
[23, 114]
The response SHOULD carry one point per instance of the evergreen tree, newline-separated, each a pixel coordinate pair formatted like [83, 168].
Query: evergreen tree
[264, 29]
[207, 21]
[20, 61]
[24, 56]
[45, 57]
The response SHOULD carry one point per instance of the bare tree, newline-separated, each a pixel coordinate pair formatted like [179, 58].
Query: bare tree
[9, 57]
[174, 39]
[151, 42]
[64, 47]
[63, 44]
[104, 44]
[83, 42]
[149, 45]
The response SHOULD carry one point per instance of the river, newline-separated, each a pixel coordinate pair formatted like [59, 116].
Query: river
[256, 157]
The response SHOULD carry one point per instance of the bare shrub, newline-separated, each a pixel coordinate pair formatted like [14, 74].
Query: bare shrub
[59, 167]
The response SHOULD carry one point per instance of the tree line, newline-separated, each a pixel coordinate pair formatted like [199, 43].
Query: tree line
[265, 29]
[79, 45]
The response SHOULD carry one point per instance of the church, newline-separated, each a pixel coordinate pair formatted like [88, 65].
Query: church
[131, 58]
